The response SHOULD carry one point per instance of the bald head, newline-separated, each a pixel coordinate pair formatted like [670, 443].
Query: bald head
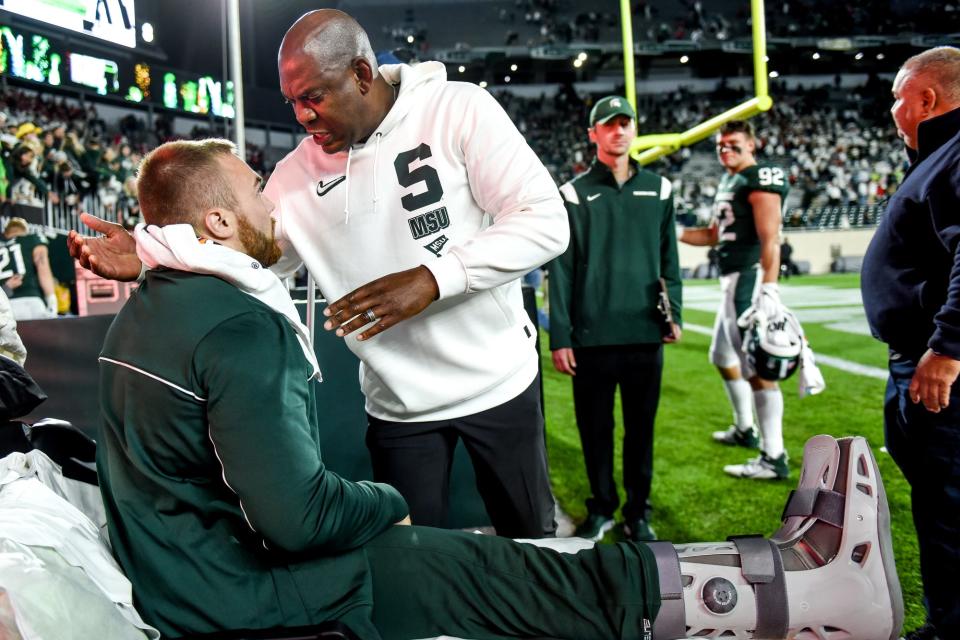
[331, 38]
[329, 75]
[927, 86]
[940, 67]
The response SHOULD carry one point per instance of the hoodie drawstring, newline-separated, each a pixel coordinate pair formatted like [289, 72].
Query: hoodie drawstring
[346, 185]
[376, 164]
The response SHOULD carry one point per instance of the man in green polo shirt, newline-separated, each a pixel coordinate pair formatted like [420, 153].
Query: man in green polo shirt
[605, 325]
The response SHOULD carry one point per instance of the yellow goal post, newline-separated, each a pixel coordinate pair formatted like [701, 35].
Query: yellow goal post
[645, 149]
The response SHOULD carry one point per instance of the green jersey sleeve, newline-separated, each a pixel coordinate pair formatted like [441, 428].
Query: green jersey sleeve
[261, 412]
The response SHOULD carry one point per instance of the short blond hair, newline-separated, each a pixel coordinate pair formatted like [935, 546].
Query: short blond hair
[178, 181]
[943, 66]
[14, 224]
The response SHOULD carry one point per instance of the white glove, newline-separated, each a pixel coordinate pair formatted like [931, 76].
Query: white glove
[767, 300]
[765, 305]
[51, 301]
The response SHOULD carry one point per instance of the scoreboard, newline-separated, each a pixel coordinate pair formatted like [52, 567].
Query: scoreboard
[110, 20]
[47, 61]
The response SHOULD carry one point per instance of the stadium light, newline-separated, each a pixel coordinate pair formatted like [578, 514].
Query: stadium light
[506, 79]
[483, 84]
[880, 56]
[816, 55]
[513, 67]
[461, 68]
[578, 63]
[582, 56]
[146, 32]
[410, 39]
[774, 74]
[684, 59]
[859, 56]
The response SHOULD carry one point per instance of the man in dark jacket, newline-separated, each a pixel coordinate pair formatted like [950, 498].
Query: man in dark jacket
[911, 293]
[605, 325]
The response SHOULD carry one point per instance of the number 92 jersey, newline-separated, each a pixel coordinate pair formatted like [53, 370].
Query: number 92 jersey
[738, 243]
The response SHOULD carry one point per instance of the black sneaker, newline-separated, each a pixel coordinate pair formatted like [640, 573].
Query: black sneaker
[639, 531]
[926, 632]
[594, 527]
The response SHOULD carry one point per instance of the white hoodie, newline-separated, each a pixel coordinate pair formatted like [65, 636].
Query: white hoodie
[351, 220]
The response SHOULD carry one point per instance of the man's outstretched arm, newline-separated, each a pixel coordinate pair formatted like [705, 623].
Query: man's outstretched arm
[262, 426]
[113, 255]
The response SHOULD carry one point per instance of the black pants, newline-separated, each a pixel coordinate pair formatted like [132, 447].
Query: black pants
[926, 447]
[637, 369]
[506, 446]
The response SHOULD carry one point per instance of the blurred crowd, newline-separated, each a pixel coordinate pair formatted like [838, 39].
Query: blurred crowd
[54, 152]
[545, 22]
[837, 145]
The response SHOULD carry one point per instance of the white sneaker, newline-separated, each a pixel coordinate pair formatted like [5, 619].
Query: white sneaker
[734, 436]
[763, 467]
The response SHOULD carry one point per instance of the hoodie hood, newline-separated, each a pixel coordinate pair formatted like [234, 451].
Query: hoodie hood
[411, 81]
[176, 246]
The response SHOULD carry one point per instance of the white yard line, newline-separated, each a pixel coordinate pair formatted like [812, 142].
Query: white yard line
[831, 361]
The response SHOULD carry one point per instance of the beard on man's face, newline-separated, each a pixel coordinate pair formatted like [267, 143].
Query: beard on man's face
[258, 245]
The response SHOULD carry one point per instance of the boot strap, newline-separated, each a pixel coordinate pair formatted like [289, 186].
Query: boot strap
[762, 567]
[671, 620]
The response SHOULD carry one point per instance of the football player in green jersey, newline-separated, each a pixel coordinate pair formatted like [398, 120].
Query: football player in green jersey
[25, 270]
[746, 230]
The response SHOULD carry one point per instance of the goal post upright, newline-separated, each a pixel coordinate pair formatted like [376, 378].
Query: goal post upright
[645, 149]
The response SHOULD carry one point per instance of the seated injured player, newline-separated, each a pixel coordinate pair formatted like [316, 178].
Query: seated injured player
[223, 515]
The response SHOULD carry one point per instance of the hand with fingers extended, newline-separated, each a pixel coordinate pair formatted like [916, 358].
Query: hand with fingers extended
[112, 255]
[933, 380]
[382, 303]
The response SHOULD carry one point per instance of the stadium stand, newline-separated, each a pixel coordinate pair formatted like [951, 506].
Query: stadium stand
[531, 23]
[65, 158]
[842, 156]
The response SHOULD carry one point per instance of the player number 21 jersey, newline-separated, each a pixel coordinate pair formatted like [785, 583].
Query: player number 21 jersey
[738, 243]
[16, 258]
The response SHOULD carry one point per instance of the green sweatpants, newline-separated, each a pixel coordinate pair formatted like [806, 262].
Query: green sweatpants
[429, 582]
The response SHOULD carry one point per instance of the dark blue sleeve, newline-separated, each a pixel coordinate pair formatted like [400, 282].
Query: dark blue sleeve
[944, 202]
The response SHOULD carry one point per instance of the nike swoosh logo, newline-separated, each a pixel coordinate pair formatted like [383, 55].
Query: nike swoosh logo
[322, 188]
[593, 197]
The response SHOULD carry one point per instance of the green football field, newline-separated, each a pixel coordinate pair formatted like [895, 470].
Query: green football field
[693, 499]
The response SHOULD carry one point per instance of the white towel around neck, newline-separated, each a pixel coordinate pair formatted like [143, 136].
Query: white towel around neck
[176, 246]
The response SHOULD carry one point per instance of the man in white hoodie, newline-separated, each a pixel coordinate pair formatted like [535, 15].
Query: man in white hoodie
[417, 206]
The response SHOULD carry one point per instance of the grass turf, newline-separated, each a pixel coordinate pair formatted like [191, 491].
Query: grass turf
[693, 499]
